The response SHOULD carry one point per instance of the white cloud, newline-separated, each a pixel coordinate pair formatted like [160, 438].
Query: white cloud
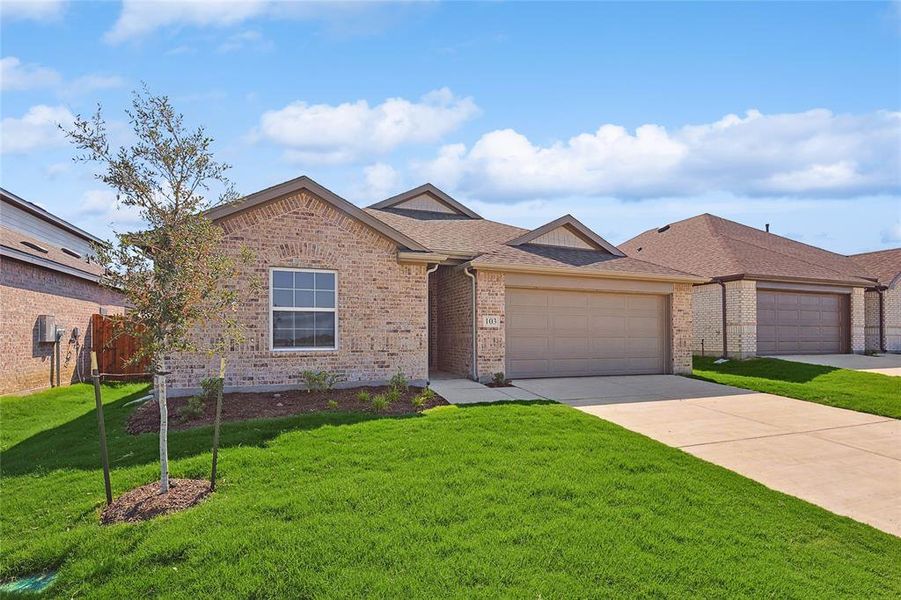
[38, 128]
[892, 234]
[339, 133]
[16, 75]
[139, 17]
[380, 181]
[91, 83]
[32, 10]
[246, 40]
[100, 210]
[813, 152]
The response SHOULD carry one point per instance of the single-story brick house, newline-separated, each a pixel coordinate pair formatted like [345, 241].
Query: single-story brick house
[420, 282]
[768, 294]
[46, 269]
[883, 301]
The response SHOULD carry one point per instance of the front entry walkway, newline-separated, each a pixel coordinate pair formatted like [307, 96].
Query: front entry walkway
[886, 364]
[844, 461]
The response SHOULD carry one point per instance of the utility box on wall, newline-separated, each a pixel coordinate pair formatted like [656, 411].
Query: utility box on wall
[46, 329]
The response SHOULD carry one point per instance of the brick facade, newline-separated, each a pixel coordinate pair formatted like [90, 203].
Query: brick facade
[382, 305]
[741, 318]
[707, 320]
[858, 319]
[27, 291]
[490, 299]
[453, 335]
[872, 331]
[681, 328]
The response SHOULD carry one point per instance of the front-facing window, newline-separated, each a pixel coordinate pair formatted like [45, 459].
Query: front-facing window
[302, 309]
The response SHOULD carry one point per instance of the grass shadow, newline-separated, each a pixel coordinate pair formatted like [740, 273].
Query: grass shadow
[75, 443]
[537, 402]
[763, 368]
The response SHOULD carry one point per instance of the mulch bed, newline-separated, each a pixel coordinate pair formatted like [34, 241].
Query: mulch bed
[240, 407]
[146, 502]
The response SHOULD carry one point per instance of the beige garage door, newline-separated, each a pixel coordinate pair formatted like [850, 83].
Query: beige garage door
[801, 323]
[552, 333]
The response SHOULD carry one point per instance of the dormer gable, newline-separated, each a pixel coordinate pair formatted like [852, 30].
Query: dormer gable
[427, 199]
[566, 232]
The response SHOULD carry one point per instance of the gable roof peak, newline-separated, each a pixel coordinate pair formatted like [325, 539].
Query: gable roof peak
[428, 189]
[569, 222]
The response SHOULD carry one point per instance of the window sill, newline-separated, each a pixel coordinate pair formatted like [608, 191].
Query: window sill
[333, 349]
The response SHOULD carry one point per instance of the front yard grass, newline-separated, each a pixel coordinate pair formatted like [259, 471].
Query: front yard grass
[505, 500]
[865, 392]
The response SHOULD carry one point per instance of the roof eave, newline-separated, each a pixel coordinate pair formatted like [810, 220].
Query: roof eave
[426, 188]
[794, 279]
[48, 264]
[47, 216]
[579, 272]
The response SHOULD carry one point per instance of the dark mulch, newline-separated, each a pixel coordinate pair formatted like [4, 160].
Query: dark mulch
[146, 502]
[240, 407]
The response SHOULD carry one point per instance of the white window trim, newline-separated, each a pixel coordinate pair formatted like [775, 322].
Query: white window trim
[272, 308]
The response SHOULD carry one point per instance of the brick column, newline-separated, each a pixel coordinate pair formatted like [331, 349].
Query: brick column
[490, 299]
[858, 317]
[871, 322]
[741, 318]
[681, 332]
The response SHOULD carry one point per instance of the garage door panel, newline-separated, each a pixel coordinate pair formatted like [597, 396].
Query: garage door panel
[800, 323]
[586, 333]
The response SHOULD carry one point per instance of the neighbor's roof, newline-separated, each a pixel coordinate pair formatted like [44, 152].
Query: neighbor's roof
[715, 247]
[884, 264]
[17, 245]
[34, 209]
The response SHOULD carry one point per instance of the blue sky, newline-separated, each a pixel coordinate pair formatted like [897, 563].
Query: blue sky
[628, 116]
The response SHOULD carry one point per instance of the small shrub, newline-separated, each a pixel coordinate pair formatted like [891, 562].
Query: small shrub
[364, 396]
[320, 381]
[210, 387]
[499, 379]
[399, 382]
[418, 401]
[393, 395]
[428, 394]
[193, 409]
[333, 404]
[380, 402]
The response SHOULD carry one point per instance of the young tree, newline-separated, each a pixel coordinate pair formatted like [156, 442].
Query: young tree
[172, 273]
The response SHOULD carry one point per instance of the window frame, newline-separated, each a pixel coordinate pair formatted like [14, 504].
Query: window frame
[272, 309]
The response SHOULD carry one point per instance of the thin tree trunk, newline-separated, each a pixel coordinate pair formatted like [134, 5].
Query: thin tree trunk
[216, 423]
[164, 431]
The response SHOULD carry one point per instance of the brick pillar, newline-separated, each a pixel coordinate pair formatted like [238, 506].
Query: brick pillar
[681, 333]
[872, 342]
[741, 318]
[490, 302]
[858, 317]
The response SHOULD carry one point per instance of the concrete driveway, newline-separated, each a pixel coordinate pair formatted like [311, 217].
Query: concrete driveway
[845, 461]
[886, 364]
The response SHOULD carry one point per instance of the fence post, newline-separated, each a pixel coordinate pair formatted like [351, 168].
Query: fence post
[95, 375]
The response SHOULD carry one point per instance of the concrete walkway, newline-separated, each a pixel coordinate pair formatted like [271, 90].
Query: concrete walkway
[465, 391]
[885, 364]
[844, 461]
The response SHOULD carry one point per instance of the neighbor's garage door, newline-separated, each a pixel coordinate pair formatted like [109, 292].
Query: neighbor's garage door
[801, 323]
[551, 333]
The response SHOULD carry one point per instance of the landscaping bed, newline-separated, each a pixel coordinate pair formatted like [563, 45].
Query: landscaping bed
[268, 405]
[146, 502]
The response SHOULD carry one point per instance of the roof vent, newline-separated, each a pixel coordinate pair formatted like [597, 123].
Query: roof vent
[662, 229]
[639, 249]
[34, 247]
[71, 253]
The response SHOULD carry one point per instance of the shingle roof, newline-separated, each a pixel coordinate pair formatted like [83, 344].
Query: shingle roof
[715, 247]
[463, 236]
[12, 239]
[486, 242]
[884, 264]
[587, 261]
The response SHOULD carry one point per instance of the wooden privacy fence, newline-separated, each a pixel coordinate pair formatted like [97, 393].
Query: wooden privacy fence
[114, 347]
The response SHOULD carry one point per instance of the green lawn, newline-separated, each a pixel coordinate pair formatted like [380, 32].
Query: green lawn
[512, 500]
[865, 392]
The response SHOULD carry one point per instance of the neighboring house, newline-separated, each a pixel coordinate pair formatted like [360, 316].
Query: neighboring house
[770, 295]
[420, 282]
[46, 269]
[883, 301]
